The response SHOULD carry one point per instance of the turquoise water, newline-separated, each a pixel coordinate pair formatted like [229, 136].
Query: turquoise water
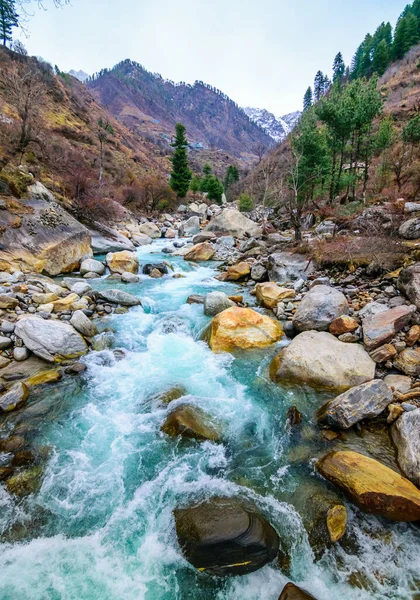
[101, 526]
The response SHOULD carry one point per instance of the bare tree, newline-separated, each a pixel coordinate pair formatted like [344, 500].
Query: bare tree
[25, 91]
[260, 150]
[104, 130]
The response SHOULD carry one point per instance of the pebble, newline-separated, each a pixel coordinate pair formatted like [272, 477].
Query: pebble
[5, 342]
[20, 354]
[408, 407]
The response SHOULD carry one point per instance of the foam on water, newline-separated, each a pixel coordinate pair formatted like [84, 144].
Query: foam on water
[103, 520]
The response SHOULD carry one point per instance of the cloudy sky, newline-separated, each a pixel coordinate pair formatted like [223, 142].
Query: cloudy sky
[262, 53]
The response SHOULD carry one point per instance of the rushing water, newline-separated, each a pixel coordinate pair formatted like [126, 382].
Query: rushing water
[101, 526]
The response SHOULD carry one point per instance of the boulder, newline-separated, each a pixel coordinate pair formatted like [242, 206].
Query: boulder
[222, 537]
[410, 230]
[320, 360]
[54, 341]
[25, 482]
[90, 265]
[190, 227]
[150, 229]
[80, 288]
[15, 396]
[47, 239]
[270, 294]
[122, 262]
[65, 303]
[372, 486]
[361, 402]
[409, 283]
[190, 422]
[284, 267]
[321, 305]
[127, 277]
[400, 383]
[381, 328]
[243, 328]
[141, 239]
[215, 303]
[408, 362]
[237, 272]
[343, 324]
[105, 239]
[82, 324]
[150, 267]
[198, 252]
[258, 273]
[203, 237]
[232, 222]
[119, 297]
[406, 437]
[293, 592]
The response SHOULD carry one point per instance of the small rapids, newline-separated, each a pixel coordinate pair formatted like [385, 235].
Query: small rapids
[101, 527]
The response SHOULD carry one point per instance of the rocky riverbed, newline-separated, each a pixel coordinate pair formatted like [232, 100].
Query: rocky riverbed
[202, 408]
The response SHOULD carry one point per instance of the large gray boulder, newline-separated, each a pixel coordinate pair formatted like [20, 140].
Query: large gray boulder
[232, 222]
[54, 341]
[119, 297]
[320, 360]
[284, 267]
[410, 230]
[190, 227]
[361, 402]
[105, 239]
[409, 283]
[321, 305]
[90, 265]
[406, 437]
[41, 237]
[150, 229]
[215, 303]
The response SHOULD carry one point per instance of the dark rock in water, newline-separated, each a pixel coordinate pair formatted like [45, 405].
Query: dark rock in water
[222, 537]
[147, 269]
[172, 324]
[5, 473]
[169, 396]
[25, 483]
[195, 299]
[293, 592]
[75, 368]
[190, 422]
[294, 416]
[12, 444]
[24, 458]
[179, 244]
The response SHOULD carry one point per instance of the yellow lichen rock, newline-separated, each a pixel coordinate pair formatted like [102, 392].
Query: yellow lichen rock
[203, 251]
[243, 328]
[270, 294]
[122, 262]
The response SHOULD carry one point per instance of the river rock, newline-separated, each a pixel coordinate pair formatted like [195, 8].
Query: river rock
[150, 229]
[90, 265]
[320, 360]
[5, 342]
[190, 227]
[410, 230]
[80, 288]
[20, 353]
[53, 341]
[82, 324]
[400, 383]
[409, 283]
[243, 328]
[122, 262]
[47, 239]
[343, 324]
[372, 486]
[237, 272]
[270, 294]
[8, 302]
[127, 277]
[200, 252]
[361, 402]
[105, 239]
[16, 395]
[150, 267]
[215, 303]
[25, 483]
[66, 303]
[321, 305]
[119, 297]
[284, 267]
[141, 239]
[406, 437]
[383, 353]
[408, 362]
[232, 222]
[293, 592]
[258, 272]
[190, 422]
[222, 537]
[381, 328]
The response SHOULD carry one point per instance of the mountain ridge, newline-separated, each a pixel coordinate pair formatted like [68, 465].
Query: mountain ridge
[278, 128]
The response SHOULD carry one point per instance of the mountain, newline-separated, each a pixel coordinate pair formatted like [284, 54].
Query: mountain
[80, 75]
[278, 128]
[151, 106]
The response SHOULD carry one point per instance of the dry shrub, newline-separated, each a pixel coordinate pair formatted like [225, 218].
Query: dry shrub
[148, 196]
[385, 252]
[92, 208]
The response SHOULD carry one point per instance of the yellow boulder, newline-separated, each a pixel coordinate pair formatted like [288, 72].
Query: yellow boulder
[270, 294]
[203, 251]
[122, 262]
[65, 303]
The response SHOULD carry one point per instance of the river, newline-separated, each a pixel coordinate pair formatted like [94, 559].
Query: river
[101, 527]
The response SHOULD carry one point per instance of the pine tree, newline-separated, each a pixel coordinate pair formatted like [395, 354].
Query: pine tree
[339, 68]
[356, 62]
[366, 62]
[307, 99]
[319, 85]
[231, 177]
[8, 20]
[381, 58]
[402, 35]
[413, 36]
[195, 184]
[181, 174]
[214, 189]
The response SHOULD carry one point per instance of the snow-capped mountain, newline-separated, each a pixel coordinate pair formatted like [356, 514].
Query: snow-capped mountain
[80, 75]
[277, 127]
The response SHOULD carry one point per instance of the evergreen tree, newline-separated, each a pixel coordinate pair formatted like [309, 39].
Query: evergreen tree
[366, 62]
[204, 185]
[339, 68]
[231, 177]
[413, 36]
[319, 86]
[181, 174]
[411, 132]
[356, 63]
[195, 184]
[8, 20]
[381, 58]
[307, 99]
[406, 35]
[214, 189]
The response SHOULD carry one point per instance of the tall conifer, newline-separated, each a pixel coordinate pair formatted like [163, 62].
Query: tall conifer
[181, 174]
